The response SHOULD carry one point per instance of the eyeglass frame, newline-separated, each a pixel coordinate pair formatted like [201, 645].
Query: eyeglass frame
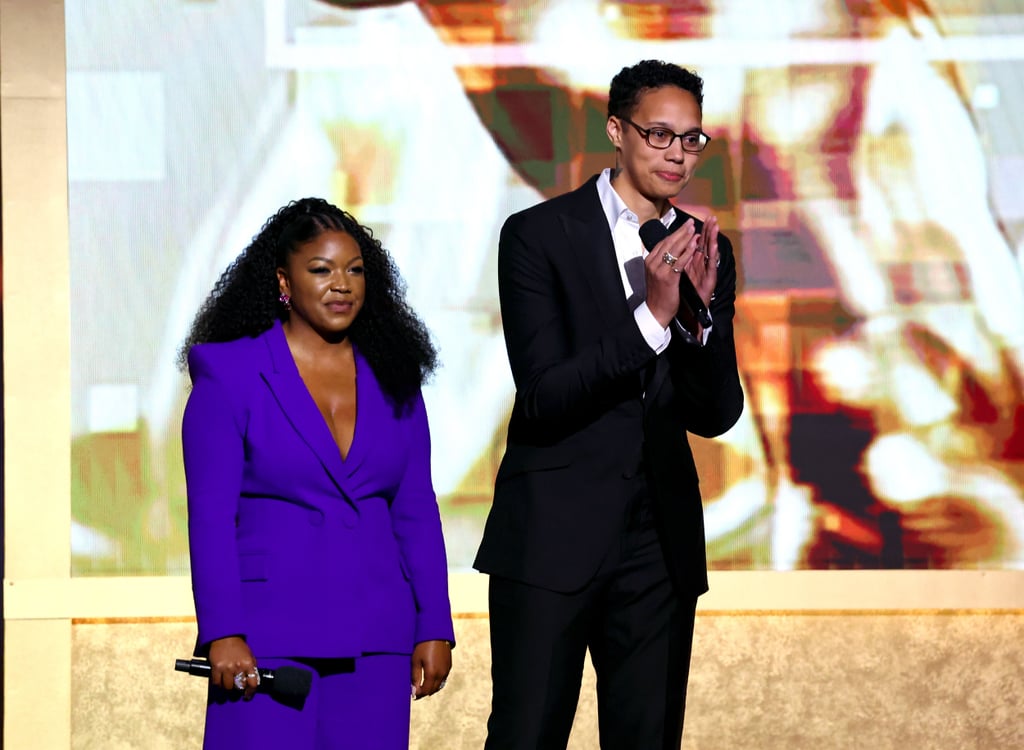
[646, 134]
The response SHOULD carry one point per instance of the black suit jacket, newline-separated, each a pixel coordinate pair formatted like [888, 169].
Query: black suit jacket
[594, 404]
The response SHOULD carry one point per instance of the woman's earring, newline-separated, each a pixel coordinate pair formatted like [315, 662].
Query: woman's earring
[285, 300]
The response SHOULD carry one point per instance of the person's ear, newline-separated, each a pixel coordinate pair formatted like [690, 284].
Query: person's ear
[282, 282]
[614, 130]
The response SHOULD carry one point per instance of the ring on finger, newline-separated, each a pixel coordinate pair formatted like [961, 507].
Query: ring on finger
[240, 680]
[669, 258]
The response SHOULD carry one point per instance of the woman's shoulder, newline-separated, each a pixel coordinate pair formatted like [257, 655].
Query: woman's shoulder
[226, 357]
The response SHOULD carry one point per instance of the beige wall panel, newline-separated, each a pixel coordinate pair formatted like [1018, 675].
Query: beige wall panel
[32, 39]
[35, 173]
[854, 681]
[33, 152]
[35, 298]
[37, 688]
[732, 592]
[126, 693]
[758, 682]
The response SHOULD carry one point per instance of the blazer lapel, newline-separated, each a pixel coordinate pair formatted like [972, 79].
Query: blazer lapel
[591, 242]
[368, 400]
[298, 406]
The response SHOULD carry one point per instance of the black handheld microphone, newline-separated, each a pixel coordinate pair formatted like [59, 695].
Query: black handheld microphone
[651, 233]
[286, 682]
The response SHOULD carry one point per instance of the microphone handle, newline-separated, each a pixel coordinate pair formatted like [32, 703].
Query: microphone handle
[288, 683]
[693, 301]
[198, 668]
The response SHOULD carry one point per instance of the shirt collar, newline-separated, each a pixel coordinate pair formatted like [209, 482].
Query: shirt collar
[614, 207]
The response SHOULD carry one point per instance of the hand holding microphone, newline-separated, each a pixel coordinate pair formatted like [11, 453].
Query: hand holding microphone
[683, 263]
[284, 682]
[232, 664]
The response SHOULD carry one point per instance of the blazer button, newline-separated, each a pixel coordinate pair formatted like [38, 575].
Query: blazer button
[316, 518]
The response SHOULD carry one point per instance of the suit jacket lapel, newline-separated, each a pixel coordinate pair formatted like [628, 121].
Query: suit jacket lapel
[591, 242]
[369, 399]
[284, 381]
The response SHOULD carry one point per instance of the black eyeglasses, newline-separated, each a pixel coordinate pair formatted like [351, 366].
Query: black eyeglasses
[693, 141]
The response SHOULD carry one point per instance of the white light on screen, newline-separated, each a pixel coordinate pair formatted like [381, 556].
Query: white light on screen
[902, 470]
[986, 96]
[116, 126]
[113, 407]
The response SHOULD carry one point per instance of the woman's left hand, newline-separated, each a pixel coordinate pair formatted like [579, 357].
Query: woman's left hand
[702, 265]
[431, 663]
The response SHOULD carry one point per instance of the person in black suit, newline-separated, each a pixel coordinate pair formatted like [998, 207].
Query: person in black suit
[595, 537]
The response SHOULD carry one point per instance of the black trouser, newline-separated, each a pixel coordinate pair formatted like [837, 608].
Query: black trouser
[639, 633]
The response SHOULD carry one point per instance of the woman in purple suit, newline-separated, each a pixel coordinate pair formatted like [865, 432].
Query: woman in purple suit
[314, 531]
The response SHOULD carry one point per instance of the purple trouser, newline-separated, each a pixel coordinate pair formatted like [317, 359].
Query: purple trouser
[355, 709]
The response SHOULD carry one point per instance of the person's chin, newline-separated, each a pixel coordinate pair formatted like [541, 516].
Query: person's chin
[333, 330]
[663, 193]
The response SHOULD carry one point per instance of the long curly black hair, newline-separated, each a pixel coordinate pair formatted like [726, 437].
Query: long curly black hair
[630, 82]
[244, 301]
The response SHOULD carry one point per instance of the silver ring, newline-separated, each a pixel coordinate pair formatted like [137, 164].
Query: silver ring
[669, 258]
[240, 680]
[255, 674]
[676, 270]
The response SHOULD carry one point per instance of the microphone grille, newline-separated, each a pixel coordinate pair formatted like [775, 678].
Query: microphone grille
[652, 232]
[292, 682]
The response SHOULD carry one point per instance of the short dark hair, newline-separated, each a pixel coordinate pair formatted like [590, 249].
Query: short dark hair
[630, 82]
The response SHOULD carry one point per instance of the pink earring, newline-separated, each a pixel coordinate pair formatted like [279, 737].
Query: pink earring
[285, 300]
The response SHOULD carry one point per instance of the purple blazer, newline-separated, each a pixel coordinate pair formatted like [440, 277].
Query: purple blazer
[303, 553]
